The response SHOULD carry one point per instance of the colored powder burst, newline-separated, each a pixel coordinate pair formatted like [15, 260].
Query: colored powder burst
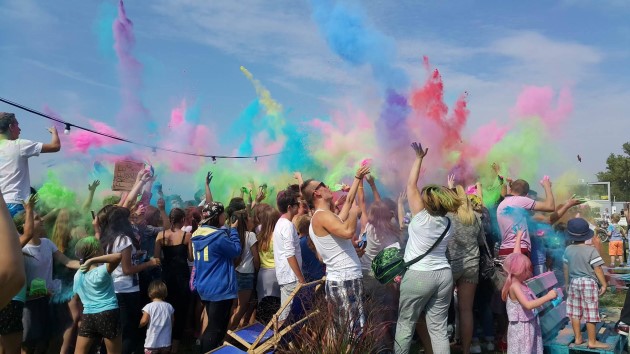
[103, 28]
[133, 115]
[82, 141]
[350, 37]
[53, 194]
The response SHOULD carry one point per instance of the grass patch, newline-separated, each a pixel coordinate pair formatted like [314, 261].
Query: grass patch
[610, 299]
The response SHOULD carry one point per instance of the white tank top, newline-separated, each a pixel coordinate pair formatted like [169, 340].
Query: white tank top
[338, 254]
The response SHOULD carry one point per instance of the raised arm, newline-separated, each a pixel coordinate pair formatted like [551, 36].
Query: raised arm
[401, 209]
[549, 204]
[344, 229]
[208, 191]
[358, 177]
[55, 143]
[91, 189]
[370, 180]
[561, 210]
[362, 206]
[413, 193]
[298, 176]
[142, 177]
[12, 277]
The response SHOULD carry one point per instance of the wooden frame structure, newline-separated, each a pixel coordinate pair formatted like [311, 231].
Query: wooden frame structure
[270, 336]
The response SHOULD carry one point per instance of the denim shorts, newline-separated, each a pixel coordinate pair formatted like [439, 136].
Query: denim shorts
[245, 281]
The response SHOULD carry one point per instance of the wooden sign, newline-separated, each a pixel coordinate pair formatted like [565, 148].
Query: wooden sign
[125, 173]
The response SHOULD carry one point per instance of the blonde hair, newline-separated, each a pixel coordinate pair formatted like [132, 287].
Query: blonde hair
[439, 200]
[465, 212]
[62, 230]
[615, 218]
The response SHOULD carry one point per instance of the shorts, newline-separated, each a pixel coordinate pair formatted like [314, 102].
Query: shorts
[164, 350]
[104, 324]
[37, 319]
[468, 274]
[583, 300]
[615, 248]
[15, 208]
[245, 281]
[11, 318]
[345, 298]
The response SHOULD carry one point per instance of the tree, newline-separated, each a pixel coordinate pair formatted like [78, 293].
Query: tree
[618, 174]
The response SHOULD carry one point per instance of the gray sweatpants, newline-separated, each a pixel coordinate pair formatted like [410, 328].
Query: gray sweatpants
[429, 291]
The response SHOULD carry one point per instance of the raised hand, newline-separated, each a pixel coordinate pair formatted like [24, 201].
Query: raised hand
[92, 187]
[450, 181]
[420, 152]
[362, 172]
[546, 182]
[209, 177]
[52, 130]
[29, 203]
[261, 195]
[297, 175]
[495, 168]
[370, 179]
[146, 176]
[161, 204]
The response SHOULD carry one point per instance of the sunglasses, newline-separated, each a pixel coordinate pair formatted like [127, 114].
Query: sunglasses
[320, 185]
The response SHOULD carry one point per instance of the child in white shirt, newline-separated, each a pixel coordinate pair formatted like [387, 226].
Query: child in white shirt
[158, 314]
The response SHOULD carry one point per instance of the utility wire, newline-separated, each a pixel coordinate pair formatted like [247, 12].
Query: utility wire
[154, 148]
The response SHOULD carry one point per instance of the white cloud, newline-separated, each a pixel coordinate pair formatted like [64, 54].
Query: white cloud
[539, 58]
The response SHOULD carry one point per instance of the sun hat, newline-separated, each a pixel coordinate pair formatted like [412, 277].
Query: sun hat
[578, 230]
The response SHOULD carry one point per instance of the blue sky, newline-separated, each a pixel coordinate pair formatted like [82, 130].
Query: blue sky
[55, 54]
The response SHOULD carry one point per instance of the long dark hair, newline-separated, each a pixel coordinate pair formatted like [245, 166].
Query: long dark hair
[176, 216]
[242, 218]
[118, 224]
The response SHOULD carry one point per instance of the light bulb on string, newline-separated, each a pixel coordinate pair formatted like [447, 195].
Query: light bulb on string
[67, 130]
[214, 160]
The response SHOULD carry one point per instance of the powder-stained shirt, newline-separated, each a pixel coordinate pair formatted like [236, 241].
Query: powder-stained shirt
[582, 260]
[513, 213]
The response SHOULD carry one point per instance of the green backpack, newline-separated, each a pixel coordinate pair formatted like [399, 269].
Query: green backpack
[390, 262]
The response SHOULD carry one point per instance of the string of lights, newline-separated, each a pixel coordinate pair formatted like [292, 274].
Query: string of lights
[69, 125]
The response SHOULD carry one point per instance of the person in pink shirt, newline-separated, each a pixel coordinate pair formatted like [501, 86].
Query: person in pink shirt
[514, 211]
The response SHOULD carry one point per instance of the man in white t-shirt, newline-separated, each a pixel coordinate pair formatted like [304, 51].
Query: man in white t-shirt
[15, 181]
[333, 238]
[286, 248]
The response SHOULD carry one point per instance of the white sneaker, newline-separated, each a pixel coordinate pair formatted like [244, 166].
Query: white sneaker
[475, 348]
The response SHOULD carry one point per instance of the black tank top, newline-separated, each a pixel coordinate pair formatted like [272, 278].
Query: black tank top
[175, 257]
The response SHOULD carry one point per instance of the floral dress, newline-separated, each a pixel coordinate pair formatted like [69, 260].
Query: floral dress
[524, 335]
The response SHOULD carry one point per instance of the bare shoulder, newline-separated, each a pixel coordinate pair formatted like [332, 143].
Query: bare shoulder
[320, 219]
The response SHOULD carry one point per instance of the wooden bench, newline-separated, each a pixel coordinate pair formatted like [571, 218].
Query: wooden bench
[556, 329]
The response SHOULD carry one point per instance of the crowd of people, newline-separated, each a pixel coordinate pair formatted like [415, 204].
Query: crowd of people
[135, 277]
